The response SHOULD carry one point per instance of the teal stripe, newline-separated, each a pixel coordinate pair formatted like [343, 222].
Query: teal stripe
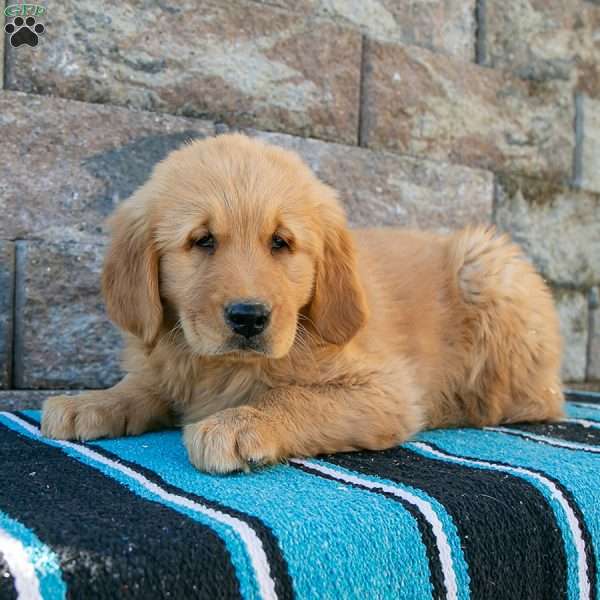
[459, 563]
[576, 471]
[45, 562]
[583, 412]
[239, 557]
[338, 541]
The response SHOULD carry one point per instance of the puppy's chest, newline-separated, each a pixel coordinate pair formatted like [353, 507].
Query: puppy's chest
[215, 389]
[198, 390]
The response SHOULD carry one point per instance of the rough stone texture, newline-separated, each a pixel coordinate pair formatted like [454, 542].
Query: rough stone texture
[63, 338]
[7, 266]
[382, 188]
[264, 66]
[558, 228]
[573, 313]
[71, 162]
[593, 371]
[435, 127]
[588, 176]
[426, 104]
[2, 42]
[544, 39]
[447, 26]
[28, 399]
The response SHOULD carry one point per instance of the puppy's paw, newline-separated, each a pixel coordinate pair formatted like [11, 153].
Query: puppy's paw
[84, 417]
[232, 440]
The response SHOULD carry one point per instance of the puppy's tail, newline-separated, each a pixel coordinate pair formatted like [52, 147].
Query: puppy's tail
[509, 328]
[482, 265]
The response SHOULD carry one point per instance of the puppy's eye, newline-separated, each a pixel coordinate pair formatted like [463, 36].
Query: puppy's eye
[278, 243]
[207, 242]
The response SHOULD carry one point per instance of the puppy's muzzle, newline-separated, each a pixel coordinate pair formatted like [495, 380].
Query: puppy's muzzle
[247, 318]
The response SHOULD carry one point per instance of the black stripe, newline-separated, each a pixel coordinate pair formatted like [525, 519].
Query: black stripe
[277, 563]
[588, 397]
[111, 543]
[284, 588]
[508, 532]
[570, 432]
[7, 582]
[592, 566]
[425, 529]
[523, 435]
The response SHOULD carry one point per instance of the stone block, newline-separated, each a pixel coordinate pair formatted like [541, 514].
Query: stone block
[557, 227]
[63, 337]
[428, 105]
[12, 400]
[447, 27]
[234, 61]
[593, 369]
[67, 164]
[587, 166]
[572, 309]
[7, 270]
[382, 188]
[544, 39]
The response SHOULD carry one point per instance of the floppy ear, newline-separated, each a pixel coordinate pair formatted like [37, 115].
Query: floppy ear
[130, 275]
[338, 307]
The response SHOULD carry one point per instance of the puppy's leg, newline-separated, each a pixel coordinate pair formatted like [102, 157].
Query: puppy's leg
[303, 421]
[128, 408]
[510, 333]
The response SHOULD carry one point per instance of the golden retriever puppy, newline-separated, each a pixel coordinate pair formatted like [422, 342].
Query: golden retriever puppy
[258, 319]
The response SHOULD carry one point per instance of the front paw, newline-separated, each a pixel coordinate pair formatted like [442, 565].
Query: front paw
[232, 440]
[84, 417]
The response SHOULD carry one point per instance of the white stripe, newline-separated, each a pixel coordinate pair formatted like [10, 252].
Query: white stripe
[584, 422]
[575, 527]
[547, 440]
[423, 506]
[21, 568]
[253, 544]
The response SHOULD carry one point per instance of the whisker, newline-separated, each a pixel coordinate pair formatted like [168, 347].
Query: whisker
[170, 336]
[302, 344]
[315, 326]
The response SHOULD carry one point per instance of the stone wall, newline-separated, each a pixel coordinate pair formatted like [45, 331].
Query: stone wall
[423, 113]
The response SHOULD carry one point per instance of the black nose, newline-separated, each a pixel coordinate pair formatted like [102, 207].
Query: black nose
[247, 318]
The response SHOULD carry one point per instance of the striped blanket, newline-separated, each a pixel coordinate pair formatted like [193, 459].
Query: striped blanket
[506, 512]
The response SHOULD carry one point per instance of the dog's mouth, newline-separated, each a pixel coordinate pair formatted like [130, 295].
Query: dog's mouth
[233, 346]
[246, 346]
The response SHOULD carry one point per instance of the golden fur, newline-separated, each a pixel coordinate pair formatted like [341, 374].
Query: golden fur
[374, 334]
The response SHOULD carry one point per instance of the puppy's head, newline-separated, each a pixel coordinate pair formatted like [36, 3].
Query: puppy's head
[234, 243]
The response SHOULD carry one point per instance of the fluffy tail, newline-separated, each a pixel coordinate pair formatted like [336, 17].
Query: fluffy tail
[483, 264]
[510, 327]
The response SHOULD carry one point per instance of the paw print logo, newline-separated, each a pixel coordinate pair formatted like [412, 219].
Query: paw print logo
[24, 31]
